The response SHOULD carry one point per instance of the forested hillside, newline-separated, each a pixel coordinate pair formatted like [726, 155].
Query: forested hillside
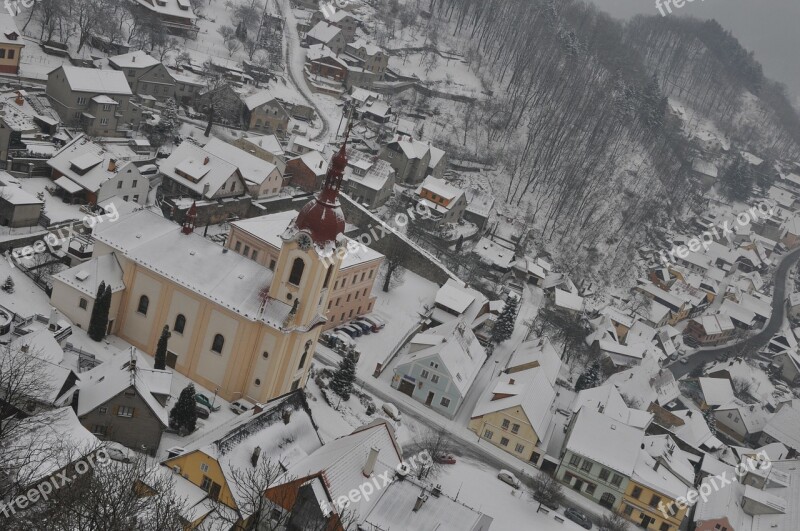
[579, 117]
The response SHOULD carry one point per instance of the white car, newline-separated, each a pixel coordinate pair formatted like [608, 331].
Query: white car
[391, 411]
[240, 406]
[117, 452]
[507, 477]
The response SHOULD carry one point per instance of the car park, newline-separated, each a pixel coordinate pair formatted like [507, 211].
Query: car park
[240, 406]
[578, 517]
[507, 477]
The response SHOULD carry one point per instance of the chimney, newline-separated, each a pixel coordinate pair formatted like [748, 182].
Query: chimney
[421, 499]
[52, 323]
[601, 408]
[133, 59]
[436, 491]
[287, 415]
[112, 165]
[206, 160]
[20, 100]
[23, 348]
[369, 466]
[658, 464]
[255, 456]
[511, 381]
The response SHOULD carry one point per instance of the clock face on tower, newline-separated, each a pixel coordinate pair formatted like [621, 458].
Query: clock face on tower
[304, 242]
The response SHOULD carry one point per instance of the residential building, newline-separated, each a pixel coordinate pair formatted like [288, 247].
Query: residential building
[439, 366]
[176, 15]
[368, 180]
[194, 172]
[188, 87]
[704, 172]
[784, 427]
[351, 296]
[75, 290]
[235, 324]
[413, 160]
[325, 71]
[215, 461]
[788, 364]
[479, 209]
[264, 113]
[146, 75]
[373, 58]
[87, 173]
[710, 329]
[99, 101]
[11, 45]
[716, 392]
[18, 208]
[261, 178]
[307, 171]
[336, 17]
[741, 421]
[444, 202]
[456, 302]
[265, 147]
[21, 123]
[300, 145]
[125, 401]
[327, 34]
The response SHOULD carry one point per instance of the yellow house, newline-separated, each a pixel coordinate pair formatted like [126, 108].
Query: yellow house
[11, 45]
[515, 411]
[216, 462]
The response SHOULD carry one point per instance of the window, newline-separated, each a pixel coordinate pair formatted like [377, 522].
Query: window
[328, 277]
[83, 303]
[218, 343]
[488, 434]
[125, 197]
[628, 510]
[238, 247]
[203, 467]
[134, 183]
[637, 491]
[503, 441]
[424, 374]
[604, 473]
[106, 107]
[616, 480]
[654, 501]
[296, 274]
[435, 378]
[664, 526]
[258, 381]
[575, 460]
[254, 255]
[206, 484]
[506, 424]
[119, 185]
[125, 411]
[520, 448]
[103, 121]
[102, 410]
[736, 420]
[99, 429]
[180, 323]
[445, 402]
[81, 99]
[370, 273]
[136, 198]
[246, 250]
[144, 303]
[295, 385]
[607, 500]
[11, 54]
[587, 466]
[515, 428]
[590, 488]
[302, 360]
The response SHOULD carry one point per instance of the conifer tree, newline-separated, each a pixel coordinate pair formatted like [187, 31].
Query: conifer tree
[161, 349]
[183, 416]
[504, 326]
[8, 287]
[590, 377]
[711, 420]
[343, 378]
[99, 319]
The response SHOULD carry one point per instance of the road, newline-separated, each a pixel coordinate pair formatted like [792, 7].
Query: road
[294, 57]
[751, 344]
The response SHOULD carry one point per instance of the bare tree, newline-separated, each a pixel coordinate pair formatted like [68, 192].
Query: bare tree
[438, 445]
[546, 490]
[566, 327]
[613, 522]
[162, 48]
[392, 270]
[741, 387]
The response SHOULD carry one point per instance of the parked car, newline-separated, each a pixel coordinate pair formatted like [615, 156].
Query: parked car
[202, 411]
[391, 411]
[117, 452]
[203, 400]
[148, 170]
[344, 338]
[351, 331]
[684, 361]
[507, 477]
[578, 517]
[374, 319]
[364, 327]
[372, 326]
[445, 459]
[240, 406]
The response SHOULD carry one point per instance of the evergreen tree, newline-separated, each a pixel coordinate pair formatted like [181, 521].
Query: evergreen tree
[183, 416]
[504, 326]
[99, 319]
[161, 349]
[711, 420]
[590, 377]
[344, 377]
[168, 124]
[8, 287]
[737, 180]
[460, 243]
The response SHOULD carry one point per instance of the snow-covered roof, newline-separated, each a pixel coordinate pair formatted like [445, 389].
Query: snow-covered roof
[454, 296]
[716, 391]
[493, 253]
[784, 426]
[605, 440]
[253, 169]
[440, 187]
[569, 301]
[647, 383]
[171, 8]
[112, 377]
[694, 430]
[314, 161]
[85, 165]
[648, 472]
[323, 32]
[136, 59]
[738, 312]
[606, 398]
[96, 81]
[536, 352]
[194, 167]
[753, 415]
[17, 196]
[377, 173]
[269, 143]
[704, 167]
[9, 34]
[715, 324]
[86, 277]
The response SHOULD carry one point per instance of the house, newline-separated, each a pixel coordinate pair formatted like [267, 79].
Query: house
[21, 122]
[187, 86]
[264, 113]
[300, 145]
[794, 305]
[373, 58]
[262, 178]
[413, 160]
[784, 427]
[125, 401]
[457, 302]
[321, 62]
[368, 180]
[479, 209]
[259, 238]
[11, 45]
[146, 75]
[647, 382]
[788, 364]
[265, 147]
[439, 366]
[177, 16]
[215, 460]
[710, 329]
[88, 173]
[515, 412]
[716, 392]
[445, 203]
[194, 172]
[307, 171]
[740, 421]
[568, 301]
[336, 17]
[704, 172]
[75, 289]
[323, 32]
[99, 101]
[18, 208]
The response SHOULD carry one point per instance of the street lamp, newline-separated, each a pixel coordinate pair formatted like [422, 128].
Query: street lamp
[215, 397]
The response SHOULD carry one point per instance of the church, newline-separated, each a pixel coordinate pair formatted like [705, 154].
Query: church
[236, 325]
